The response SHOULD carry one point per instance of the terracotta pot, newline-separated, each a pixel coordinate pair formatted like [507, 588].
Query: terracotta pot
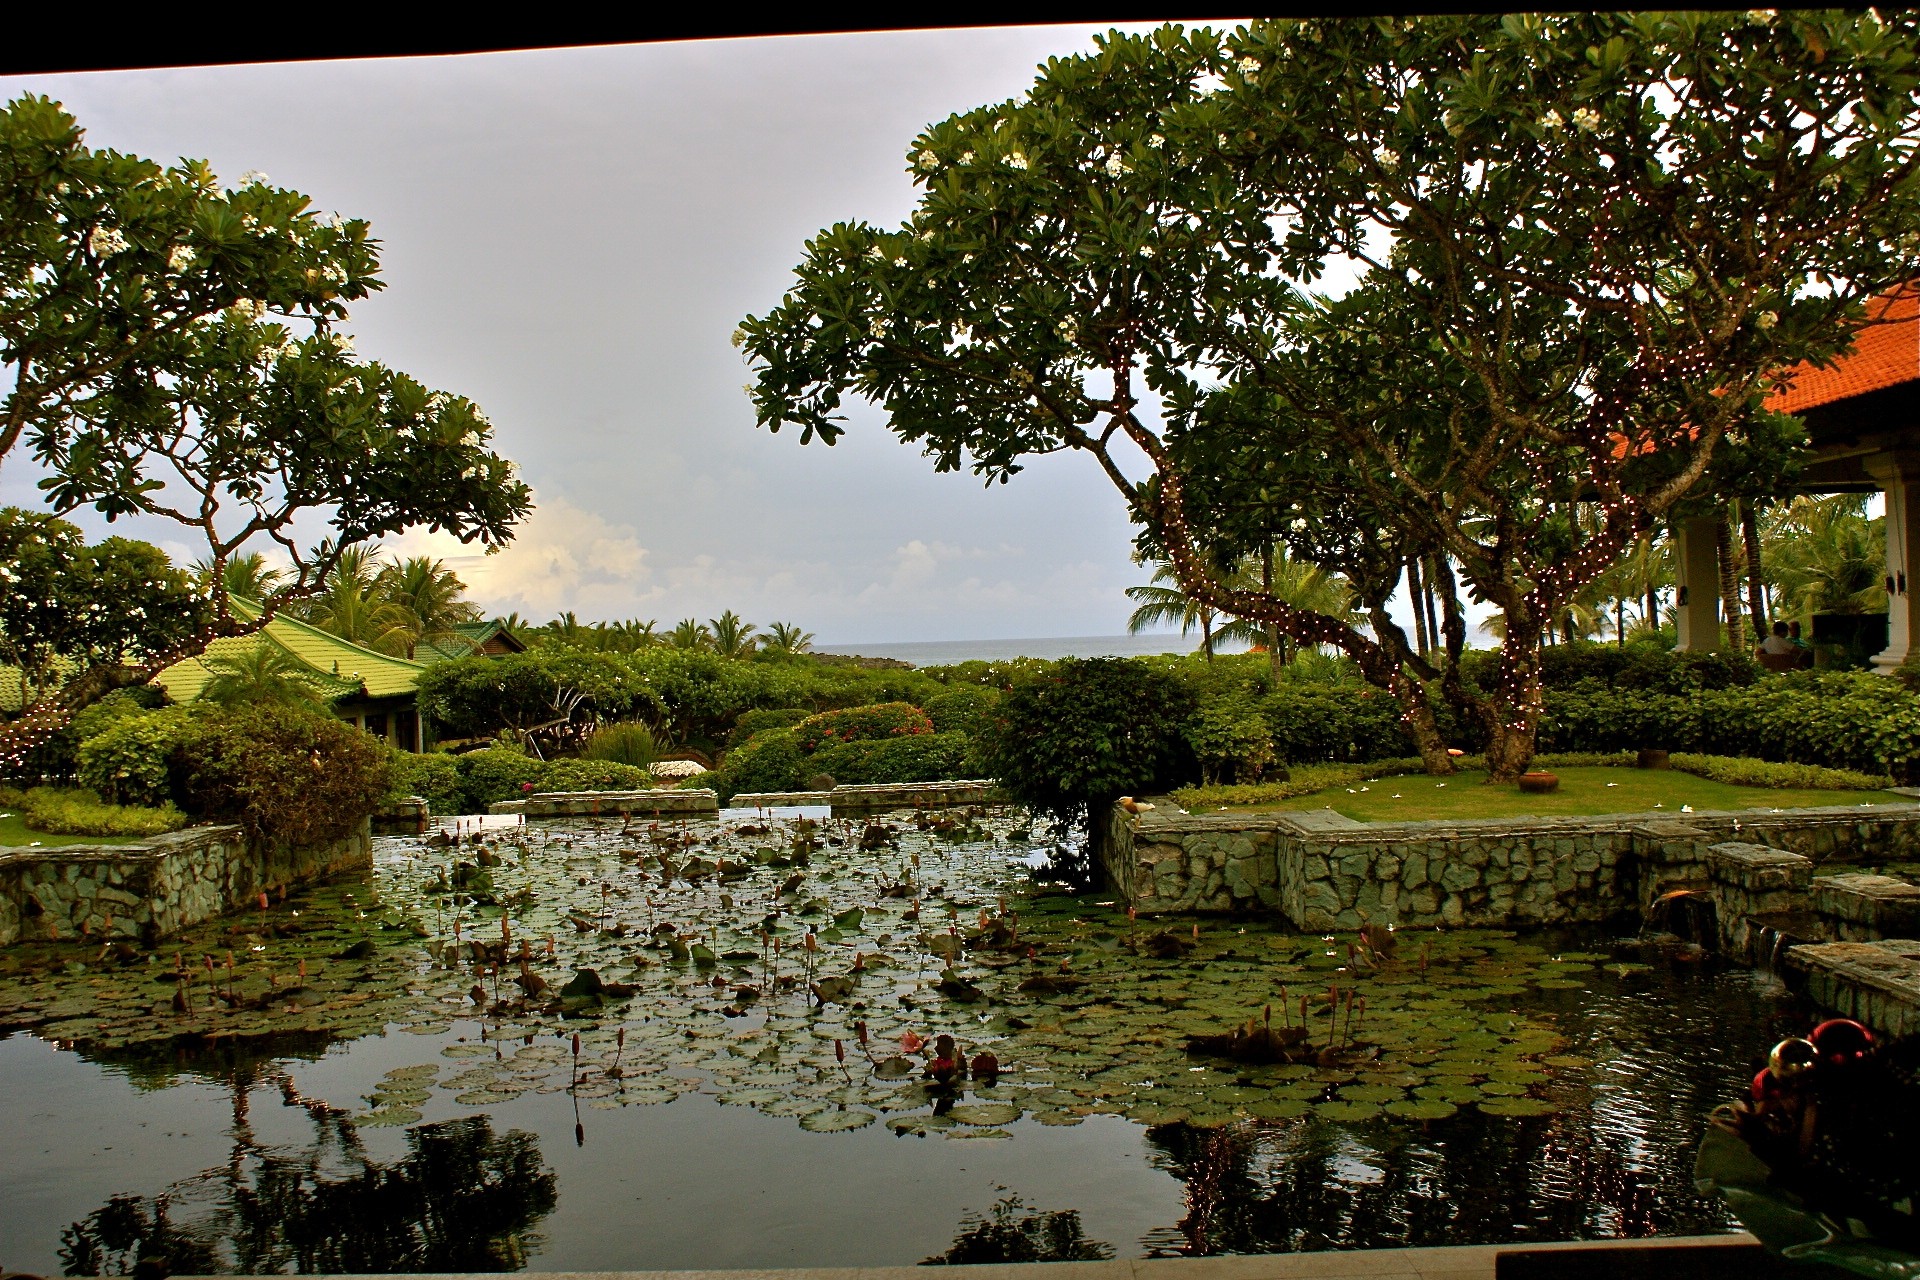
[1539, 782]
[1652, 758]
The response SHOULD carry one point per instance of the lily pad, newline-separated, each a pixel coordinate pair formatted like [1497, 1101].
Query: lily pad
[836, 1121]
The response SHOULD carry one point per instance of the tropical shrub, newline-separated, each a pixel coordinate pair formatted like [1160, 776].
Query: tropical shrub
[1339, 723]
[497, 773]
[477, 697]
[128, 761]
[1230, 739]
[628, 742]
[752, 722]
[283, 772]
[860, 724]
[1744, 772]
[961, 709]
[923, 757]
[74, 812]
[1068, 743]
[594, 775]
[434, 776]
[768, 761]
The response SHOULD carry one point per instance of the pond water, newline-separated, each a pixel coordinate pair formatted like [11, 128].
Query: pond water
[416, 1072]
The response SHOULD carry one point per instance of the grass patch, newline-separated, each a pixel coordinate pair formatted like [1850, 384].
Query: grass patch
[51, 817]
[1584, 789]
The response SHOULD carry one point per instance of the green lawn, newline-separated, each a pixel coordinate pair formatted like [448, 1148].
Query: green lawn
[1416, 797]
[14, 832]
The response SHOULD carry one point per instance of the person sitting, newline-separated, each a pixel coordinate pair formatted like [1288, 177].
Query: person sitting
[1776, 652]
[1805, 650]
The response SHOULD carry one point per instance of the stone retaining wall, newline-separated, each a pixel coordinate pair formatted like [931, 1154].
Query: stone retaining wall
[914, 795]
[158, 886]
[1323, 871]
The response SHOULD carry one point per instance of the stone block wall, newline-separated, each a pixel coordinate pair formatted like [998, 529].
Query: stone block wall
[658, 802]
[158, 886]
[1322, 871]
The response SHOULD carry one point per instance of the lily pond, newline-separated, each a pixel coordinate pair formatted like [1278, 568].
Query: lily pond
[790, 1040]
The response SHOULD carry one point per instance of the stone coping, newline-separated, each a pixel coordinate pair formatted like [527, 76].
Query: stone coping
[150, 847]
[1572, 1260]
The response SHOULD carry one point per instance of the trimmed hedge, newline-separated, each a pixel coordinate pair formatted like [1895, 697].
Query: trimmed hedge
[64, 812]
[594, 775]
[283, 773]
[434, 776]
[861, 724]
[925, 757]
[752, 722]
[496, 773]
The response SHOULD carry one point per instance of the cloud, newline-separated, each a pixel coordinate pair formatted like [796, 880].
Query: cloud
[563, 557]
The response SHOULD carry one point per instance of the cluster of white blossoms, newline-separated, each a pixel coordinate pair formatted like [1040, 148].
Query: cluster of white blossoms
[1068, 330]
[1116, 167]
[437, 402]
[106, 241]
[899, 262]
[882, 326]
[1156, 142]
[1299, 526]
[248, 308]
[253, 177]
[927, 161]
[180, 257]
[343, 343]
[334, 273]
[1586, 119]
[739, 338]
[1250, 70]
[1146, 251]
[1389, 158]
[966, 157]
[1767, 319]
[1015, 160]
[1553, 120]
[335, 221]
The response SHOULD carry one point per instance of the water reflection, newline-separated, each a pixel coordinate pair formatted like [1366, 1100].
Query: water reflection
[461, 1199]
[1616, 1163]
[1005, 1234]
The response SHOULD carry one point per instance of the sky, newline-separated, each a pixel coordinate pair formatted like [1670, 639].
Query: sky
[571, 236]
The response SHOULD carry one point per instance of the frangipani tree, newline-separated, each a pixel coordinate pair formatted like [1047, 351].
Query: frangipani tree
[1584, 246]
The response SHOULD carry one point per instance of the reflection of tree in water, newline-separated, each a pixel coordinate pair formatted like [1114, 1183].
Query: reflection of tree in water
[460, 1199]
[1007, 1235]
[1617, 1162]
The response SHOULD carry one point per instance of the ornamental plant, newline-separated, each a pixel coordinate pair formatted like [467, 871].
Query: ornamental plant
[860, 724]
[1586, 246]
[286, 774]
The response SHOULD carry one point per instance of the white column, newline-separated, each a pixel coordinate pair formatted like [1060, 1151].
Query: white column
[1899, 477]
[1696, 562]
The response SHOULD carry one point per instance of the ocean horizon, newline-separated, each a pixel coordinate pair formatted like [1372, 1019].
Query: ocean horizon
[935, 653]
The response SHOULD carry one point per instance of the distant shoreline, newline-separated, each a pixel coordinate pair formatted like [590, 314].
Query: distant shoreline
[934, 653]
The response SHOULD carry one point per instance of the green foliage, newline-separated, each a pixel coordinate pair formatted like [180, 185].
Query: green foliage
[283, 772]
[860, 724]
[262, 672]
[1302, 780]
[67, 606]
[1068, 743]
[1843, 720]
[628, 742]
[494, 774]
[961, 709]
[594, 775]
[924, 757]
[128, 760]
[83, 813]
[1642, 665]
[1746, 772]
[1333, 723]
[752, 722]
[434, 776]
[477, 697]
[1229, 735]
[771, 760]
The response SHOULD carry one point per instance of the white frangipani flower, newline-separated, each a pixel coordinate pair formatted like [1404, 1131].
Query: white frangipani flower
[252, 176]
[1767, 319]
[1146, 251]
[1156, 142]
[249, 308]
[180, 257]
[1016, 160]
[1115, 166]
[1250, 70]
[1389, 158]
[739, 338]
[927, 161]
[343, 343]
[1553, 120]
[966, 157]
[1586, 119]
[106, 241]
[899, 262]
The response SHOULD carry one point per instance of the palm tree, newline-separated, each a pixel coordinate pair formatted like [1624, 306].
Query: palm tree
[1826, 556]
[786, 639]
[261, 672]
[690, 633]
[1160, 605]
[1292, 582]
[353, 608]
[249, 576]
[732, 638]
[431, 598]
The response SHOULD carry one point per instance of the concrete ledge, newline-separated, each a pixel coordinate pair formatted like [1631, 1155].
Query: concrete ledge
[1669, 1258]
[772, 799]
[1864, 908]
[916, 795]
[1757, 868]
[612, 804]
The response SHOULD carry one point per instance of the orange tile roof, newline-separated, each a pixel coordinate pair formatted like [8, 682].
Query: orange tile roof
[1886, 353]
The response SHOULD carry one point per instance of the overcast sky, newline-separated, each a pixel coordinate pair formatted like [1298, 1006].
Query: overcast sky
[570, 238]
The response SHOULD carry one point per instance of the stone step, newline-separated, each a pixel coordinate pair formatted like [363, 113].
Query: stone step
[1877, 983]
[1863, 908]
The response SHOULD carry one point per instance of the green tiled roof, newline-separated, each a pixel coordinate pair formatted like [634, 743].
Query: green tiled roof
[466, 640]
[359, 671]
